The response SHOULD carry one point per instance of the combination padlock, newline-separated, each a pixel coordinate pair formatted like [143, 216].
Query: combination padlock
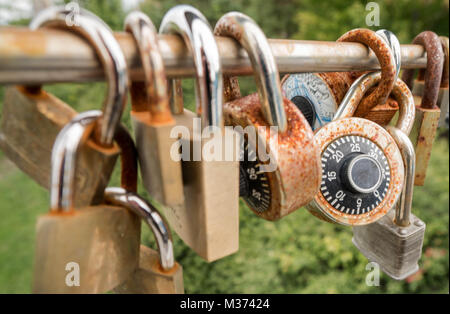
[362, 166]
[151, 117]
[209, 220]
[395, 241]
[32, 118]
[427, 112]
[289, 179]
[157, 272]
[318, 95]
[102, 240]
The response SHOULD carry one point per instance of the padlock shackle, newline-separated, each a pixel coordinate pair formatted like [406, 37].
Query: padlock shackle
[392, 40]
[243, 29]
[385, 55]
[433, 73]
[155, 83]
[404, 204]
[151, 216]
[445, 49]
[400, 92]
[101, 37]
[64, 156]
[190, 24]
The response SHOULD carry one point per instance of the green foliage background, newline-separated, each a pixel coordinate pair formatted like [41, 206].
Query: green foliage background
[298, 254]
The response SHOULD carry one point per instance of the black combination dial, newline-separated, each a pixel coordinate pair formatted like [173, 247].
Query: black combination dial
[254, 185]
[355, 175]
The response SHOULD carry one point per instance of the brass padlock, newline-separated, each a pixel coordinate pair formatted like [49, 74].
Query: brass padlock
[88, 249]
[157, 272]
[443, 90]
[395, 241]
[362, 166]
[318, 95]
[32, 118]
[209, 220]
[290, 177]
[151, 117]
[427, 112]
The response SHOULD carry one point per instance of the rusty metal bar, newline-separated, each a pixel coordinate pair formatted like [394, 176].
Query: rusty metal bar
[52, 56]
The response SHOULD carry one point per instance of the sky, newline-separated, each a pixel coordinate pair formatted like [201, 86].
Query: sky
[12, 10]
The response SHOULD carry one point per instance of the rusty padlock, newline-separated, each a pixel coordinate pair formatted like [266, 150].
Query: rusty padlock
[443, 90]
[32, 118]
[151, 117]
[318, 95]
[157, 272]
[87, 249]
[427, 112]
[395, 241]
[290, 177]
[209, 220]
[362, 166]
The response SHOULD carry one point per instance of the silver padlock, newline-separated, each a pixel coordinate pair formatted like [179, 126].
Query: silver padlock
[395, 241]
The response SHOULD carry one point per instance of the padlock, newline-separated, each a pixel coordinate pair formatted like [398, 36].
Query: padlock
[318, 95]
[32, 117]
[157, 272]
[290, 178]
[395, 241]
[427, 112]
[443, 90]
[209, 220]
[151, 117]
[362, 166]
[419, 85]
[87, 249]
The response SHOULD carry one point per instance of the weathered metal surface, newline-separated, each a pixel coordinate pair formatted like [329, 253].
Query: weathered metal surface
[344, 124]
[443, 98]
[396, 249]
[297, 176]
[387, 64]
[377, 106]
[378, 135]
[423, 136]
[433, 72]
[291, 147]
[427, 111]
[45, 56]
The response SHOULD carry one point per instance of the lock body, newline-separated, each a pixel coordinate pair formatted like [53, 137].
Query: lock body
[102, 240]
[149, 278]
[161, 174]
[443, 105]
[31, 120]
[342, 201]
[396, 249]
[209, 220]
[422, 136]
[294, 167]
